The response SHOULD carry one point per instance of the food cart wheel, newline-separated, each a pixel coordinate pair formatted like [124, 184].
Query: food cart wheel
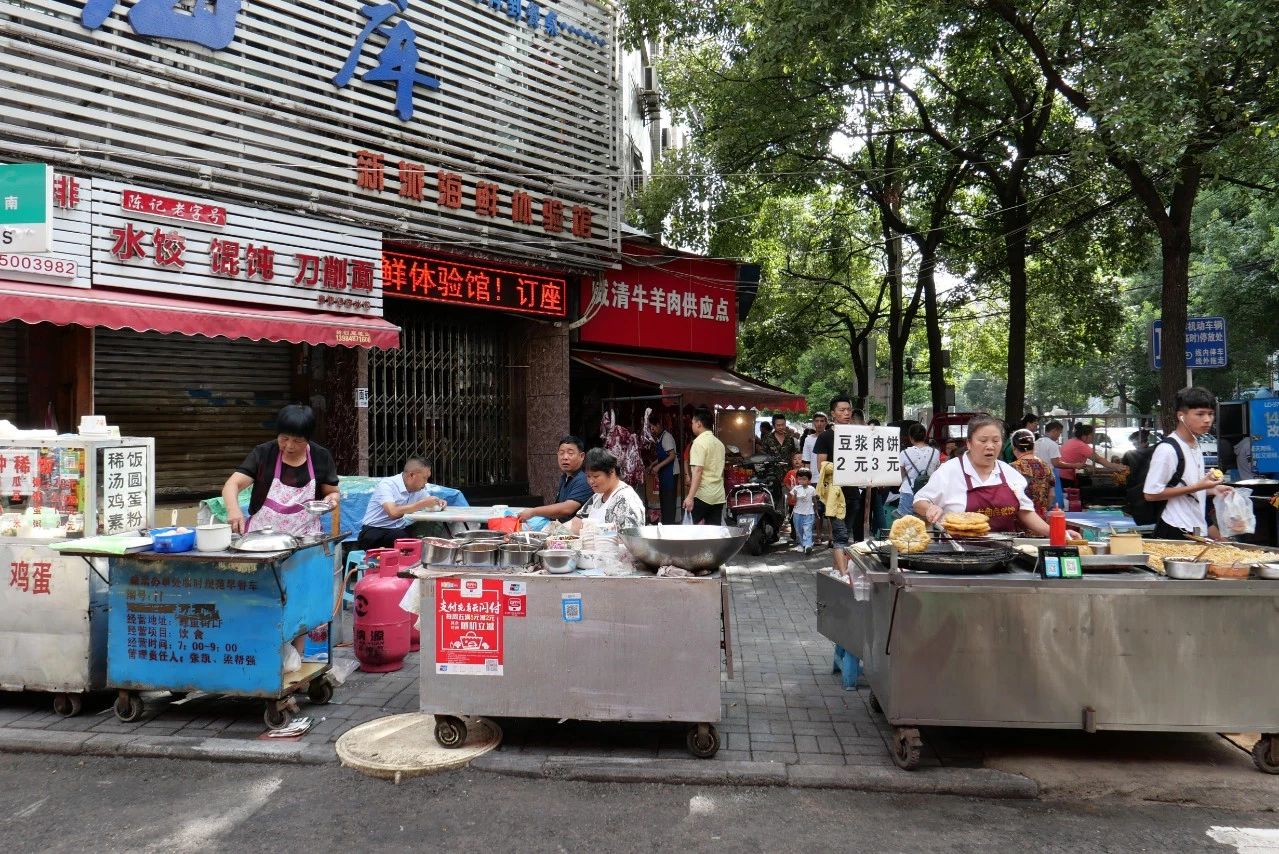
[450, 731]
[277, 716]
[320, 691]
[874, 704]
[67, 705]
[1262, 756]
[906, 747]
[128, 707]
[702, 741]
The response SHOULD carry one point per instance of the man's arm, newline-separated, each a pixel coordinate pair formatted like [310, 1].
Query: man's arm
[567, 507]
[694, 482]
[399, 511]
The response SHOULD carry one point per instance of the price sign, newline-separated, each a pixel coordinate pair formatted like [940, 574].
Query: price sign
[867, 456]
[124, 489]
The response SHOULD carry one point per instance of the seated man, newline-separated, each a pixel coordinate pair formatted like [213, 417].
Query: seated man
[392, 500]
[573, 491]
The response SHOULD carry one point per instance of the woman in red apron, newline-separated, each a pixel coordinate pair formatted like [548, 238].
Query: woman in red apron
[977, 481]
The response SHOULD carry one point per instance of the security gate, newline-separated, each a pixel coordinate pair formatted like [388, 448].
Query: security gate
[446, 394]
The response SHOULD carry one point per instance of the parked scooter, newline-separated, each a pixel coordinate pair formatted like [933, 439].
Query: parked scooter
[751, 506]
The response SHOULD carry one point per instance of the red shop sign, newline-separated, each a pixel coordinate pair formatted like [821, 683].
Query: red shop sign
[136, 201]
[476, 285]
[664, 300]
[468, 626]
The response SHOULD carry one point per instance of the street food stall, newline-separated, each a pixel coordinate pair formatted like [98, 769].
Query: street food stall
[979, 638]
[632, 640]
[53, 608]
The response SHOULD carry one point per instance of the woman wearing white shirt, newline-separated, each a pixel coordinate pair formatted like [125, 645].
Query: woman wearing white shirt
[614, 502]
[979, 482]
[919, 459]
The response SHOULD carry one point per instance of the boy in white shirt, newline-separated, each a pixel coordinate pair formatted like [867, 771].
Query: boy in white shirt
[802, 515]
[1176, 476]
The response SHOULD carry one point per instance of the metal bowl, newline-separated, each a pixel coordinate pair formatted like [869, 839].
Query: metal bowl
[516, 555]
[697, 548]
[479, 554]
[1268, 571]
[479, 535]
[437, 551]
[527, 538]
[559, 561]
[1186, 570]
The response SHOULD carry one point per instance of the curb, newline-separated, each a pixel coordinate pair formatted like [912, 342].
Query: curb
[164, 747]
[962, 782]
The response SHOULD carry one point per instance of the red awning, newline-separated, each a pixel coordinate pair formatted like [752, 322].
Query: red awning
[32, 303]
[698, 382]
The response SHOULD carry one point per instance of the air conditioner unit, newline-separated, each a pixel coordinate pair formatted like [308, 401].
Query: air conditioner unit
[649, 78]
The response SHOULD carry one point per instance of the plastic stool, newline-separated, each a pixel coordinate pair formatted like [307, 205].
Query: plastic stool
[354, 558]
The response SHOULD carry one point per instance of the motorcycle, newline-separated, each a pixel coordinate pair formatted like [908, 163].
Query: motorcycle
[751, 506]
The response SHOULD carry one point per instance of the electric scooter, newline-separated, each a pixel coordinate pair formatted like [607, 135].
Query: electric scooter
[751, 506]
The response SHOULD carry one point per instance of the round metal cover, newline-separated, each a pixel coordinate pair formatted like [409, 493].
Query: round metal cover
[266, 540]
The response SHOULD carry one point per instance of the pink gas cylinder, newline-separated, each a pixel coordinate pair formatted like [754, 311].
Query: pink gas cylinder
[381, 626]
[410, 555]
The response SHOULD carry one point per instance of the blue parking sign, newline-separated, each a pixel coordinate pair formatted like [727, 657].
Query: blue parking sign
[1205, 343]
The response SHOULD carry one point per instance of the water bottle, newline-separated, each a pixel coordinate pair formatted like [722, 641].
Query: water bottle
[861, 587]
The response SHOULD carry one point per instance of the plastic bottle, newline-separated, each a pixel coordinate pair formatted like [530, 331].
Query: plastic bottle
[1056, 527]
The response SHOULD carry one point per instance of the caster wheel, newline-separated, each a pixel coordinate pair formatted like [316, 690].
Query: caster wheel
[67, 705]
[1261, 755]
[128, 708]
[450, 731]
[906, 748]
[320, 691]
[276, 717]
[702, 741]
[874, 704]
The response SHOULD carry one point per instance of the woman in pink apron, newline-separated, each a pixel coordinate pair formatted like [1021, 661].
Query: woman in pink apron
[284, 474]
[977, 481]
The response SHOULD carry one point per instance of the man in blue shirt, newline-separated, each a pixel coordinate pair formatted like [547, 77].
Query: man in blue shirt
[573, 491]
[392, 500]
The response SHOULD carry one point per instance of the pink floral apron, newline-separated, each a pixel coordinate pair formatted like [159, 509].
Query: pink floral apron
[283, 508]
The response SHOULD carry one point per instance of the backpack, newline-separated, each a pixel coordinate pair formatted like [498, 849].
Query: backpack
[1142, 511]
[921, 478]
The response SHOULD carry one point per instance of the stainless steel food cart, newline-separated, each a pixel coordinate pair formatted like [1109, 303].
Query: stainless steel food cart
[597, 648]
[1116, 651]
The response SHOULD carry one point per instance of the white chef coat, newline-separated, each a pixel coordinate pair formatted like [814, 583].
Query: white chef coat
[1185, 511]
[948, 490]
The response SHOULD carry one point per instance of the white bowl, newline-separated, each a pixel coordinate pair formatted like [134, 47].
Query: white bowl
[215, 537]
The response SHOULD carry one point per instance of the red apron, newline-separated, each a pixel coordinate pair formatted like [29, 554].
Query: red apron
[997, 502]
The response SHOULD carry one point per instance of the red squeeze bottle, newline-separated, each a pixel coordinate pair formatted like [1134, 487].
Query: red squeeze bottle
[1056, 527]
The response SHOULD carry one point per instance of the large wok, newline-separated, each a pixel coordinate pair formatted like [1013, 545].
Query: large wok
[697, 548]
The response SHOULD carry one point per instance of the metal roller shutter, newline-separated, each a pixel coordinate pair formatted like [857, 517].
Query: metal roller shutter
[206, 401]
[13, 374]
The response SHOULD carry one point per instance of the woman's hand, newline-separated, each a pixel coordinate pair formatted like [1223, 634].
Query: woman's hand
[934, 514]
[235, 519]
[332, 500]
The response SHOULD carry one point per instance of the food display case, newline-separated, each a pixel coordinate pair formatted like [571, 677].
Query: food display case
[53, 607]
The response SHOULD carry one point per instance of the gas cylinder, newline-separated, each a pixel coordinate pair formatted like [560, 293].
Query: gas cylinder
[381, 626]
[410, 550]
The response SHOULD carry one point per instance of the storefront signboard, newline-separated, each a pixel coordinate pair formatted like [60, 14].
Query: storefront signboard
[473, 285]
[194, 247]
[26, 207]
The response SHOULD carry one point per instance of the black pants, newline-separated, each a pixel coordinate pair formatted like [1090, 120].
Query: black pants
[667, 497]
[711, 514]
[380, 538]
[1164, 531]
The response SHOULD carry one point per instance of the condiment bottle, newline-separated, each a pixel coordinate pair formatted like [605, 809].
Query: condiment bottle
[1056, 527]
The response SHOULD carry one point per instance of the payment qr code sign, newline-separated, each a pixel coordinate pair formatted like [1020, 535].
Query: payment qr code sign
[571, 603]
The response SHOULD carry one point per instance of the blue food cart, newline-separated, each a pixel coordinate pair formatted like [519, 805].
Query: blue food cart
[218, 623]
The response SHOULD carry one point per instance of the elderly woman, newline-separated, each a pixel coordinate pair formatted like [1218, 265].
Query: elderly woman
[285, 474]
[1040, 484]
[613, 501]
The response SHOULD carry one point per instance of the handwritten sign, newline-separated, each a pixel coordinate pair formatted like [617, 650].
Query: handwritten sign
[124, 489]
[867, 456]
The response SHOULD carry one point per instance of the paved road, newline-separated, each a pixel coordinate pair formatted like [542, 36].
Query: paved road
[56, 804]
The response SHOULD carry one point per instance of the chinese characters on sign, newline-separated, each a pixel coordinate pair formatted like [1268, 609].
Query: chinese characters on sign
[208, 22]
[441, 280]
[124, 489]
[31, 576]
[673, 302]
[170, 208]
[1205, 343]
[445, 189]
[867, 456]
[468, 636]
[165, 622]
[18, 470]
[397, 59]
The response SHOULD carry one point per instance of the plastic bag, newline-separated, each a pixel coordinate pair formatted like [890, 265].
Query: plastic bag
[292, 658]
[688, 517]
[1234, 513]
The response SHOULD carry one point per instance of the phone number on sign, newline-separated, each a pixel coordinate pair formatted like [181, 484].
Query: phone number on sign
[61, 267]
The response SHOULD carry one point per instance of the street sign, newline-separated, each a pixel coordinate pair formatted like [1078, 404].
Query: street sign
[1205, 343]
[26, 208]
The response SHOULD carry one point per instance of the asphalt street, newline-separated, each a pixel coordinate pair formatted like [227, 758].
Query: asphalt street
[58, 803]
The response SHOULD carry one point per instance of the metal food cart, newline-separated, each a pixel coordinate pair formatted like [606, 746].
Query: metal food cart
[53, 608]
[217, 622]
[1116, 651]
[598, 648]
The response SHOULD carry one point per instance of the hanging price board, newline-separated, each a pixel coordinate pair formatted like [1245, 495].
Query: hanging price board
[867, 456]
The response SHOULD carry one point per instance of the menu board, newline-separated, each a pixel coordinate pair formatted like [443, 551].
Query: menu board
[124, 489]
[867, 456]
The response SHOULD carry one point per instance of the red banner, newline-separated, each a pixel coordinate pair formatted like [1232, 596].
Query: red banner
[474, 285]
[665, 300]
[468, 632]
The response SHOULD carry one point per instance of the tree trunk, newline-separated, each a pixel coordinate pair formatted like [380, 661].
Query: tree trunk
[897, 329]
[932, 325]
[1175, 248]
[1015, 225]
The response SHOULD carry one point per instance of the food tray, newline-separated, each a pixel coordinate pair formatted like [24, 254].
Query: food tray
[978, 557]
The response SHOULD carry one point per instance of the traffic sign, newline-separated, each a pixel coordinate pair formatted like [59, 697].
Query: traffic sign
[1205, 343]
[26, 208]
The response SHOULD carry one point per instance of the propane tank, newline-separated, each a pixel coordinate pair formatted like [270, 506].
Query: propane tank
[381, 626]
[410, 555]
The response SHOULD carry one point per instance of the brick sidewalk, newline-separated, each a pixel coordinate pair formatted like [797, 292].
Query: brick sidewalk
[782, 706]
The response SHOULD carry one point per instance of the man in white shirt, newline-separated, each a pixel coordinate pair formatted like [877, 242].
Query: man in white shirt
[820, 423]
[392, 500]
[1048, 446]
[1176, 475]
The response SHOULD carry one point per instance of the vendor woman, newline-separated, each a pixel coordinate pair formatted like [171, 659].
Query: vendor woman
[285, 474]
[977, 481]
[613, 502]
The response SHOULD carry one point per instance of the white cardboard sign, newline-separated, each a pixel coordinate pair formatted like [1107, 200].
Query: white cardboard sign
[867, 456]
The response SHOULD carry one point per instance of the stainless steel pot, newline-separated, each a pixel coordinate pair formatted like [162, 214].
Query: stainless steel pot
[1186, 570]
[266, 540]
[437, 552]
[479, 554]
[481, 535]
[516, 555]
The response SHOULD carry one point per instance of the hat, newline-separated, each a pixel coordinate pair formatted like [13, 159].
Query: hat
[1023, 440]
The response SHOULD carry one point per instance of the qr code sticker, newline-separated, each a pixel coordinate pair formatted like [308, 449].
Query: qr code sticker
[572, 611]
[490, 664]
